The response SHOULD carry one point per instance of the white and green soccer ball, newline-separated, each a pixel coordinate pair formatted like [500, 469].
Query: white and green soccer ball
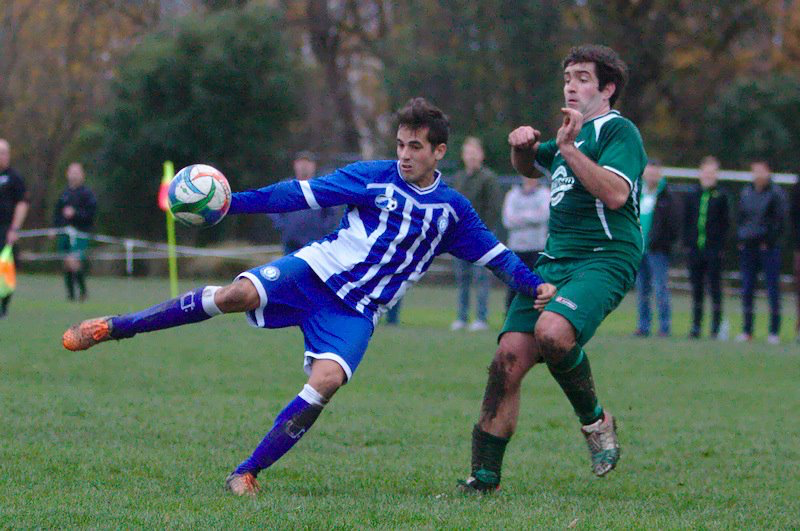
[199, 196]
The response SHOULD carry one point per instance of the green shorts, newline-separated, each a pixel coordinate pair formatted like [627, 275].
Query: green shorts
[72, 245]
[588, 290]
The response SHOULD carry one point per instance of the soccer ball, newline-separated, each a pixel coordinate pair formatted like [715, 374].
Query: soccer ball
[199, 196]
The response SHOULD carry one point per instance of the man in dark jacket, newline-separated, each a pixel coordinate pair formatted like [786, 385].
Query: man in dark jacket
[760, 221]
[13, 206]
[478, 184]
[299, 228]
[660, 230]
[705, 230]
[75, 210]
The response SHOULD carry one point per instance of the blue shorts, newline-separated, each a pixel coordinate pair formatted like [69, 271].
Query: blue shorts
[292, 294]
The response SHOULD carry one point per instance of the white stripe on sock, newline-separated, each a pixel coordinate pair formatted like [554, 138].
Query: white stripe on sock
[209, 306]
[310, 395]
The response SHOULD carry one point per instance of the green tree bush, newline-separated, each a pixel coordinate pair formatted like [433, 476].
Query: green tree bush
[217, 89]
[757, 118]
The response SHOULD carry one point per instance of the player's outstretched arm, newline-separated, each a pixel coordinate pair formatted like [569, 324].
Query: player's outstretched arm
[342, 187]
[280, 197]
[524, 142]
[604, 184]
[474, 242]
[508, 267]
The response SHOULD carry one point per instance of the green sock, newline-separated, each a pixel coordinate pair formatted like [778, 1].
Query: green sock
[69, 283]
[487, 455]
[574, 375]
[81, 280]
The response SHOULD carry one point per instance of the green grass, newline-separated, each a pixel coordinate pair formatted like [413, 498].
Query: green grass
[142, 433]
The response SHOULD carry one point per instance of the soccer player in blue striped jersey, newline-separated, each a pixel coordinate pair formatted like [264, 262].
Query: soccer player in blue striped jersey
[399, 217]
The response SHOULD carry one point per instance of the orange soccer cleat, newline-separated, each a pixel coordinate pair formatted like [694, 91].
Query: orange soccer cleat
[241, 484]
[87, 334]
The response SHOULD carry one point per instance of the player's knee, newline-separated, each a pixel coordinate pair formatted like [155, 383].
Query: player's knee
[555, 337]
[326, 377]
[240, 296]
[510, 363]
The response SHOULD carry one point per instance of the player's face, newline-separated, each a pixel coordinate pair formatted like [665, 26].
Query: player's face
[418, 158]
[304, 169]
[652, 174]
[472, 155]
[709, 174]
[582, 90]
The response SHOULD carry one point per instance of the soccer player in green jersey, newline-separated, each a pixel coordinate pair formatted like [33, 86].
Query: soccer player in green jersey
[593, 250]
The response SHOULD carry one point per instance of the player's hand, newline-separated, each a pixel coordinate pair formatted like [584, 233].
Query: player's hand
[68, 212]
[570, 127]
[524, 137]
[544, 293]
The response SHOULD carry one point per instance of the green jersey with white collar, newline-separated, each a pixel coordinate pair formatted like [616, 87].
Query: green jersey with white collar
[580, 224]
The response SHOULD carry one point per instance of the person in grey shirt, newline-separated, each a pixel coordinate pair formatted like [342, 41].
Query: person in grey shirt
[760, 223]
[526, 210]
[303, 226]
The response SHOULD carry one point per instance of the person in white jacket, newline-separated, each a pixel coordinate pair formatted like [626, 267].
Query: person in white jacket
[526, 210]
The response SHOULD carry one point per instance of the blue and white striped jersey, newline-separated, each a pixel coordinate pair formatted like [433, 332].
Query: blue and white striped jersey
[390, 233]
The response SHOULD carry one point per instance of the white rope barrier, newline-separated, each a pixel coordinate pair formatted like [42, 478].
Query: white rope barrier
[158, 251]
[136, 249]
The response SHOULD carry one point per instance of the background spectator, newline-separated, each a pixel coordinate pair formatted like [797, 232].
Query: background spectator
[705, 230]
[526, 209]
[479, 184]
[393, 315]
[795, 219]
[13, 207]
[657, 214]
[760, 220]
[299, 228]
[76, 208]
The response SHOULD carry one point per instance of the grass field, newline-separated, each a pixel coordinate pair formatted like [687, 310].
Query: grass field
[142, 433]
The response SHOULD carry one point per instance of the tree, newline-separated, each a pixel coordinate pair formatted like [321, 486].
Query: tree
[219, 90]
[490, 65]
[56, 57]
[681, 53]
[757, 118]
[341, 44]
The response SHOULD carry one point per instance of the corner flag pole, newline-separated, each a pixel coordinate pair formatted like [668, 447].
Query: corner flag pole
[169, 173]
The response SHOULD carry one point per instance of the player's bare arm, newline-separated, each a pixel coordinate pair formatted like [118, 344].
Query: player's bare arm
[524, 142]
[20, 213]
[604, 184]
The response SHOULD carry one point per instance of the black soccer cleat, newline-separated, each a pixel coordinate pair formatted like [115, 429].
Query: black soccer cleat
[481, 482]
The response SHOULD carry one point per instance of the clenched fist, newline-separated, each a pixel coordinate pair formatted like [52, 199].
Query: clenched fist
[524, 137]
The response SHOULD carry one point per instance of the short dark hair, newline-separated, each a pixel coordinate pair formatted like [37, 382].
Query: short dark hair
[608, 64]
[418, 113]
[305, 154]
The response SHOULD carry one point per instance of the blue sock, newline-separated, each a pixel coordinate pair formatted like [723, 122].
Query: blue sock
[191, 307]
[290, 425]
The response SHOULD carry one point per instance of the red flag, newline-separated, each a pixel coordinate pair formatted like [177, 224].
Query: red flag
[163, 194]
